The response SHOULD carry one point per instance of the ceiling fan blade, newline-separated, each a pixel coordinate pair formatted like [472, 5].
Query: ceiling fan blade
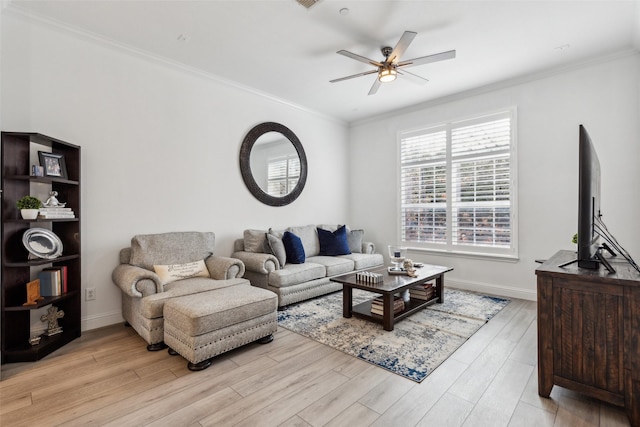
[359, 58]
[402, 45]
[428, 59]
[414, 78]
[353, 76]
[375, 87]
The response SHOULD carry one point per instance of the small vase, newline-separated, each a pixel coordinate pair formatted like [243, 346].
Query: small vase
[29, 213]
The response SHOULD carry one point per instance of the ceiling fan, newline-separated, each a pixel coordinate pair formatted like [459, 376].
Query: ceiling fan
[391, 66]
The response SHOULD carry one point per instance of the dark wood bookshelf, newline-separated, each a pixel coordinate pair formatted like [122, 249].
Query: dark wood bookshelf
[18, 268]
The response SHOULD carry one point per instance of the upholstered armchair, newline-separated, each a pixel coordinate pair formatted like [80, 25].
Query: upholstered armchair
[158, 267]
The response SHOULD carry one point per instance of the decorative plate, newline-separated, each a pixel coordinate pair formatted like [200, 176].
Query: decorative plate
[42, 243]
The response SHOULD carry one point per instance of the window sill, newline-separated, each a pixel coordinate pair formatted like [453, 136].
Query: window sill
[463, 254]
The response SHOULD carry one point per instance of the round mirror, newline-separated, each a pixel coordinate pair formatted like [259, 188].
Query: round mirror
[273, 164]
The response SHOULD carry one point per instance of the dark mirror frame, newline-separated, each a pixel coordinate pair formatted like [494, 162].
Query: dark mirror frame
[245, 165]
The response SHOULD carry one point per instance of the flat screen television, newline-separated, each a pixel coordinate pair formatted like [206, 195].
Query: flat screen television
[593, 234]
[588, 202]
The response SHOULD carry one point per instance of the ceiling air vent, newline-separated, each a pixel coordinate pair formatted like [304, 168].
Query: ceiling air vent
[307, 3]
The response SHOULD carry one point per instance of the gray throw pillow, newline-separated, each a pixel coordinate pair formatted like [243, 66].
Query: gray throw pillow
[354, 239]
[170, 248]
[277, 248]
[309, 237]
[255, 241]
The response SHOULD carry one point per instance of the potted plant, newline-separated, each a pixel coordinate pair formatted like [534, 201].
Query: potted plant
[29, 207]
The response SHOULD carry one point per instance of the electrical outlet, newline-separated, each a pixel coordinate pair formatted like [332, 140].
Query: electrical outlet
[90, 294]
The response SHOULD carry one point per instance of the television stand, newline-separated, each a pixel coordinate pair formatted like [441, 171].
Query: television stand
[598, 259]
[608, 249]
[602, 260]
[588, 323]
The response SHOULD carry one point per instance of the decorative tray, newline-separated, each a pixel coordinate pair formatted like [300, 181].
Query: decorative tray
[401, 272]
[42, 243]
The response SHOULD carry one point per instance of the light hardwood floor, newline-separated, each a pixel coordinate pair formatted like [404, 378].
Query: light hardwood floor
[107, 377]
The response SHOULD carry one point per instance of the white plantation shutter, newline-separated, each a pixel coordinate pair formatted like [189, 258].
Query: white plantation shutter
[423, 187]
[456, 186]
[282, 175]
[480, 183]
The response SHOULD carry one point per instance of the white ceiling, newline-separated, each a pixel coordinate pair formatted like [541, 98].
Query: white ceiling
[279, 48]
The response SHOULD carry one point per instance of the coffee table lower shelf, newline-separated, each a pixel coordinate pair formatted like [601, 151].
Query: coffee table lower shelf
[363, 310]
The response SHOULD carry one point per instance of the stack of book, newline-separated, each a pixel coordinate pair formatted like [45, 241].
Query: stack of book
[56, 212]
[53, 281]
[423, 292]
[378, 308]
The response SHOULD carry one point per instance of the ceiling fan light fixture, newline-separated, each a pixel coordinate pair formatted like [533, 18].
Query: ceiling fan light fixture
[387, 75]
[387, 70]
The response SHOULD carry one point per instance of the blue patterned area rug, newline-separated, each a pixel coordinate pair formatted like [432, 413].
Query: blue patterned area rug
[417, 345]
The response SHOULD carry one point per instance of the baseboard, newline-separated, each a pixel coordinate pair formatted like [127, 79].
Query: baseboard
[498, 290]
[102, 320]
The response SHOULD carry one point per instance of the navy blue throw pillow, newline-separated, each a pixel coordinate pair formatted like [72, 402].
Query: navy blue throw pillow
[293, 248]
[332, 244]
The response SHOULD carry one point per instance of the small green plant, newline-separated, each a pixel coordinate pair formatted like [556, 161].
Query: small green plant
[29, 202]
[575, 239]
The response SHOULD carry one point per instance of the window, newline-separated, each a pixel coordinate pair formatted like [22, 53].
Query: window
[457, 187]
[282, 175]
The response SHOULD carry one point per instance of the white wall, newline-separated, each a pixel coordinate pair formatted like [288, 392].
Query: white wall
[602, 96]
[159, 146]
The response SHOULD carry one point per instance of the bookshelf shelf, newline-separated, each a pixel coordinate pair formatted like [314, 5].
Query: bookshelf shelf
[36, 262]
[42, 220]
[18, 151]
[45, 302]
[41, 179]
[28, 353]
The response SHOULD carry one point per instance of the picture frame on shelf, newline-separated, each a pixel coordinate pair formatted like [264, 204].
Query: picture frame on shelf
[53, 164]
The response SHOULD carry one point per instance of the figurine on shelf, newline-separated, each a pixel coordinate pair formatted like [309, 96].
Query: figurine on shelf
[53, 202]
[52, 316]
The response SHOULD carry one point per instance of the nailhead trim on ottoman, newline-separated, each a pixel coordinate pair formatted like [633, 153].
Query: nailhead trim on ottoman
[203, 325]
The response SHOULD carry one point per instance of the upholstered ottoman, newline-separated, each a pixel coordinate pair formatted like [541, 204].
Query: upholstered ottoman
[203, 325]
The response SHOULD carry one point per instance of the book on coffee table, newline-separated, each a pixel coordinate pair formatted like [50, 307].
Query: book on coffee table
[423, 292]
[377, 306]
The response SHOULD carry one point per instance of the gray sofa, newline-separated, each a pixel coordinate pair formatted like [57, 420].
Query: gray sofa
[145, 292]
[267, 266]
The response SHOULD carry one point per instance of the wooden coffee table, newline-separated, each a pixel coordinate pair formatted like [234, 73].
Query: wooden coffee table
[391, 285]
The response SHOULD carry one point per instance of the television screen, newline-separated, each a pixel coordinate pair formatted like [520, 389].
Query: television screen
[588, 202]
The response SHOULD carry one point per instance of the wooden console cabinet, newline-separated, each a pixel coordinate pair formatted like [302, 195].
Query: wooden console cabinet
[589, 331]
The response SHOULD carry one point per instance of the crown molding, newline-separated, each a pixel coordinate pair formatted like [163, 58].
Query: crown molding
[105, 42]
[504, 84]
